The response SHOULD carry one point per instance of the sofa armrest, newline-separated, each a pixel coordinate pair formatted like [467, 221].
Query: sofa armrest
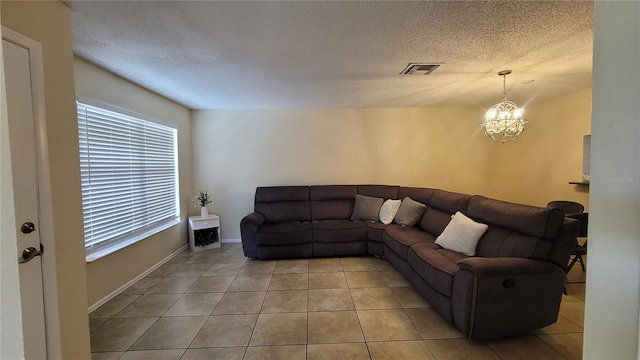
[495, 297]
[249, 226]
[505, 266]
[255, 218]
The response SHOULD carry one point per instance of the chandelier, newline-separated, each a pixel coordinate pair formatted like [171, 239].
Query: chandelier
[503, 122]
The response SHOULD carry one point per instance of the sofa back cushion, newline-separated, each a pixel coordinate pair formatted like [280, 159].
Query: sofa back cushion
[282, 193]
[530, 220]
[422, 195]
[501, 242]
[380, 191]
[443, 204]
[283, 203]
[515, 230]
[332, 202]
[450, 202]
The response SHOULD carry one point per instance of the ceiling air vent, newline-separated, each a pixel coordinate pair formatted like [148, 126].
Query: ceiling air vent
[419, 69]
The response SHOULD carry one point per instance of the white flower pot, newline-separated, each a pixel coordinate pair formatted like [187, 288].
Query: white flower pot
[204, 211]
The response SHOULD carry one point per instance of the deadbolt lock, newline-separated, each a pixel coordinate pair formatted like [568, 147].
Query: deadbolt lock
[27, 228]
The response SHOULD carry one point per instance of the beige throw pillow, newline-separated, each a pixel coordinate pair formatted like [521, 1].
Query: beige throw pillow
[388, 211]
[462, 234]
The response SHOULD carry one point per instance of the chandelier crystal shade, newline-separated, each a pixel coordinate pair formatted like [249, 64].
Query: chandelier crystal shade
[503, 122]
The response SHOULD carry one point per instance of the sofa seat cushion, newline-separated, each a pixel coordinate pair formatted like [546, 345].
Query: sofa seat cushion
[339, 231]
[375, 231]
[436, 266]
[400, 238]
[284, 233]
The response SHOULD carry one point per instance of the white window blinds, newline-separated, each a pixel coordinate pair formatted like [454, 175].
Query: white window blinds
[129, 172]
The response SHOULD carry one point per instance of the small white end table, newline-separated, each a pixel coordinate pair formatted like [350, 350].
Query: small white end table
[204, 232]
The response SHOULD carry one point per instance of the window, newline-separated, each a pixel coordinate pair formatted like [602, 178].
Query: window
[129, 172]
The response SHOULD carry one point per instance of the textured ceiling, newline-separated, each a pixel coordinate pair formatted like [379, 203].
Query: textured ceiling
[325, 54]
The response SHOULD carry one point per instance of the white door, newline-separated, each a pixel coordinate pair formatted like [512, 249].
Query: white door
[22, 135]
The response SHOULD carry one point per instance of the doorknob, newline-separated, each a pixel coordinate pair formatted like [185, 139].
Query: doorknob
[29, 253]
[27, 228]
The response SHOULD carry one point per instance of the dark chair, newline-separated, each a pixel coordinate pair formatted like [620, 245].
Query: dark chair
[568, 207]
[579, 250]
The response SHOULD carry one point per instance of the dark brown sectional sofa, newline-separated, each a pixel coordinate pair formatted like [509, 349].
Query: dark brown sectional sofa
[513, 284]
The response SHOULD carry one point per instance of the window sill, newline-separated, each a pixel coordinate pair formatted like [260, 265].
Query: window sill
[110, 249]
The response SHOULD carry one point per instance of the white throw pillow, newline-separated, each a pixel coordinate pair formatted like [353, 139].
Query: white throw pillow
[388, 211]
[461, 235]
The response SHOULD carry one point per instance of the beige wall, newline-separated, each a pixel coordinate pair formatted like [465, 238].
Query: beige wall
[613, 290]
[112, 271]
[50, 24]
[236, 150]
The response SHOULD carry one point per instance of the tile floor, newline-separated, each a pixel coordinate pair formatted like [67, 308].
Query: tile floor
[219, 305]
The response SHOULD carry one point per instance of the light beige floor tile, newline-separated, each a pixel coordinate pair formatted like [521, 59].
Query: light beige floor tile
[374, 298]
[282, 301]
[280, 329]
[212, 284]
[113, 306]
[357, 264]
[153, 355]
[569, 345]
[431, 325]
[195, 304]
[355, 351]
[141, 286]
[119, 334]
[173, 285]
[170, 333]
[362, 279]
[330, 300]
[258, 267]
[405, 350]
[232, 257]
[525, 348]
[289, 282]
[232, 353]
[292, 266]
[243, 302]
[180, 258]
[387, 325]
[149, 306]
[94, 324]
[457, 349]
[562, 326]
[231, 246]
[204, 257]
[327, 280]
[574, 311]
[325, 265]
[394, 278]
[106, 355]
[190, 270]
[225, 331]
[334, 327]
[281, 352]
[382, 264]
[409, 298]
[163, 270]
[250, 283]
[577, 290]
[224, 269]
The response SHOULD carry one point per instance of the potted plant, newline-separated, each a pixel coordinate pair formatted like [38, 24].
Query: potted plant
[202, 200]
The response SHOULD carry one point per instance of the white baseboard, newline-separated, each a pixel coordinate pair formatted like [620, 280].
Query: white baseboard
[230, 240]
[135, 280]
